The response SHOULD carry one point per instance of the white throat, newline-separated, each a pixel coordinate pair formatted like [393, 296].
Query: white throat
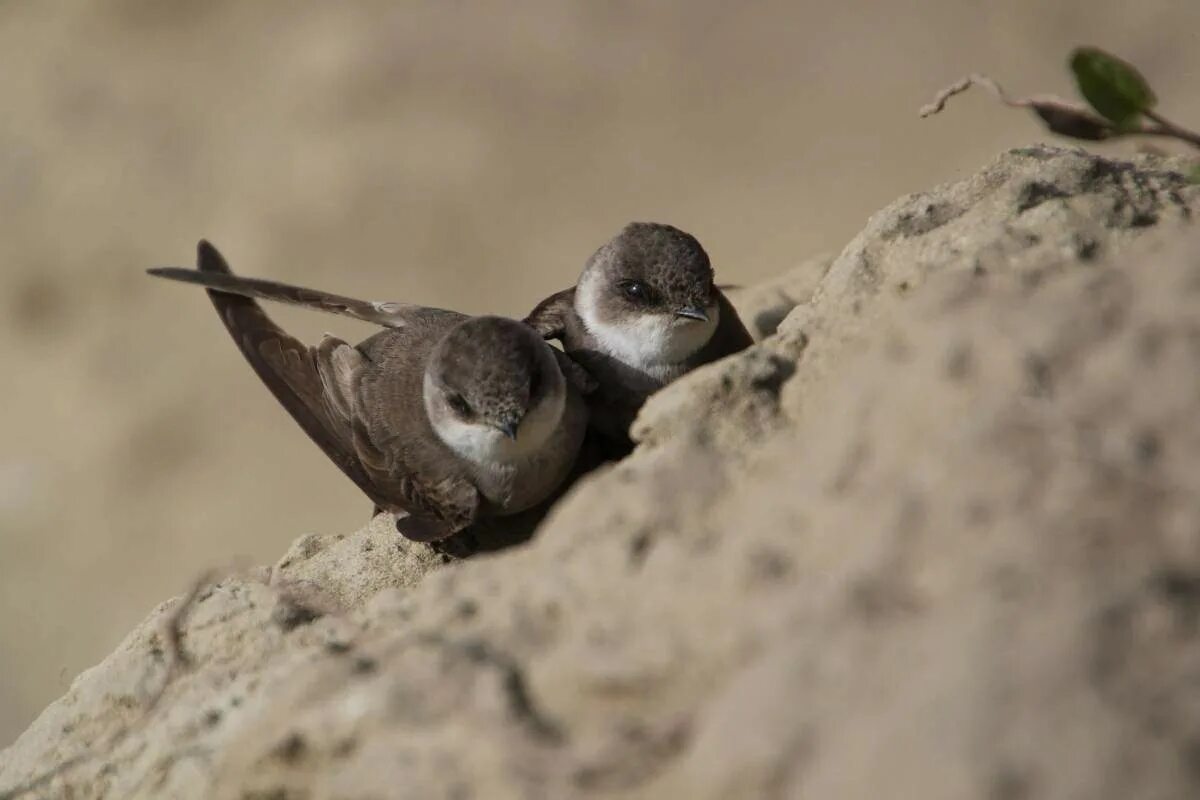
[486, 447]
[652, 343]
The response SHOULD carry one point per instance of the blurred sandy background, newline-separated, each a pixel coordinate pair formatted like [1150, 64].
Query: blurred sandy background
[469, 155]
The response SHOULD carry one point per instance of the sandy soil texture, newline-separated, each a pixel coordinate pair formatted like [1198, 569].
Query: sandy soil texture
[465, 155]
[937, 537]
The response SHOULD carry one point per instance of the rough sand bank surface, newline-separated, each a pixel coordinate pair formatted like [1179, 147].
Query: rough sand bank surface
[939, 536]
[460, 155]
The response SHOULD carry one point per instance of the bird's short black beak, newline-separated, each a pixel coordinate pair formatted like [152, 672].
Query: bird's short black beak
[509, 429]
[693, 312]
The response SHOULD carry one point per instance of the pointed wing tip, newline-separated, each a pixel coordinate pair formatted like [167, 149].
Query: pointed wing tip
[172, 273]
[548, 317]
[209, 258]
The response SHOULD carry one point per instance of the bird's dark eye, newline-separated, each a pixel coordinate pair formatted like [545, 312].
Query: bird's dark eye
[637, 291]
[459, 404]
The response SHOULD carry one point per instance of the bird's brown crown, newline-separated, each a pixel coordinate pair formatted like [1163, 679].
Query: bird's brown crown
[650, 267]
[490, 368]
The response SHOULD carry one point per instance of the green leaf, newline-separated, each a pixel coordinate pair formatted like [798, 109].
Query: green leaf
[1113, 87]
[1194, 174]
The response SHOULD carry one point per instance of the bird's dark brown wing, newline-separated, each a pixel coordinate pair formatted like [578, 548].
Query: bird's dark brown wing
[317, 386]
[436, 506]
[393, 437]
[387, 314]
[576, 375]
[730, 337]
[287, 367]
[552, 319]
[549, 317]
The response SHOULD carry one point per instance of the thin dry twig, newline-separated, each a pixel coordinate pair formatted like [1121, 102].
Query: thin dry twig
[960, 86]
[1064, 117]
[1060, 116]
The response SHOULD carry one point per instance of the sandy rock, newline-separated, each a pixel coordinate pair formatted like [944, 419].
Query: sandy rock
[763, 306]
[1030, 214]
[969, 569]
[727, 405]
[339, 572]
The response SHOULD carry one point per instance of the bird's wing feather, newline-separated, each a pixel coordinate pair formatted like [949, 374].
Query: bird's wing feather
[287, 367]
[576, 375]
[549, 317]
[552, 318]
[387, 314]
[730, 337]
[318, 387]
[437, 505]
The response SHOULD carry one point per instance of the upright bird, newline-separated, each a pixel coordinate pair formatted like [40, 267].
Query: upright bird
[443, 419]
[644, 312]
